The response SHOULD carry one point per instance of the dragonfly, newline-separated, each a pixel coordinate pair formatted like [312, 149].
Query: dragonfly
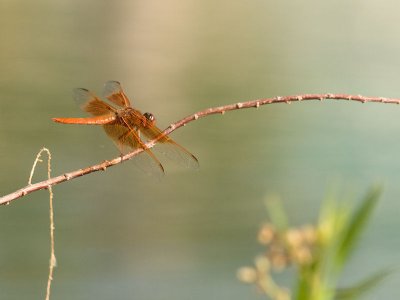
[128, 127]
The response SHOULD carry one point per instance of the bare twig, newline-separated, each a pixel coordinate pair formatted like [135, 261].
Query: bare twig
[210, 111]
[52, 262]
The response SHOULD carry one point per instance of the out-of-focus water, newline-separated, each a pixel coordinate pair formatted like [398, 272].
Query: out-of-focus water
[123, 235]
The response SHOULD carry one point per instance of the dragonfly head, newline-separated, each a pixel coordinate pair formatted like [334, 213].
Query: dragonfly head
[150, 118]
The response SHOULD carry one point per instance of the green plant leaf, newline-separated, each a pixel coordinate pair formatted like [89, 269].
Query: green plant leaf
[362, 287]
[356, 224]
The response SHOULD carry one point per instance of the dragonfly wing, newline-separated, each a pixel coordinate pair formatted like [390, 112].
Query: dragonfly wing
[113, 92]
[128, 139]
[170, 148]
[118, 134]
[178, 154]
[90, 103]
[148, 165]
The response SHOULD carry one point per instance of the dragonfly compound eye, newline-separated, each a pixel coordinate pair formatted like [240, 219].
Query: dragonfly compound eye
[149, 116]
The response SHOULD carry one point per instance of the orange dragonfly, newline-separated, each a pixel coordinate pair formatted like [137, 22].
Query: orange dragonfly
[125, 125]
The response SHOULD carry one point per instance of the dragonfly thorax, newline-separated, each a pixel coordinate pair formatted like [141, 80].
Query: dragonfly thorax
[135, 118]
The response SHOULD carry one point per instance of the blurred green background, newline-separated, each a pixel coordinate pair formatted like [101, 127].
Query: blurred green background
[123, 235]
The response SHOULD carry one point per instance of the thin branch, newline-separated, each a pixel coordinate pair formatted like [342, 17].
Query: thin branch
[210, 111]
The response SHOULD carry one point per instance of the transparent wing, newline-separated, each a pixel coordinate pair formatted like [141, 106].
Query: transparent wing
[128, 139]
[113, 92]
[90, 103]
[148, 165]
[170, 148]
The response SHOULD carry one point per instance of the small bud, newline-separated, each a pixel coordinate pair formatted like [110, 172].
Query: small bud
[247, 274]
[294, 238]
[266, 234]
[279, 261]
[302, 255]
[262, 264]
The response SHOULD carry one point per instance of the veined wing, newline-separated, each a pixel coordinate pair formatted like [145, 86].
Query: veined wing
[113, 92]
[90, 103]
[102, 112]
[127, 139]
[170, 148]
